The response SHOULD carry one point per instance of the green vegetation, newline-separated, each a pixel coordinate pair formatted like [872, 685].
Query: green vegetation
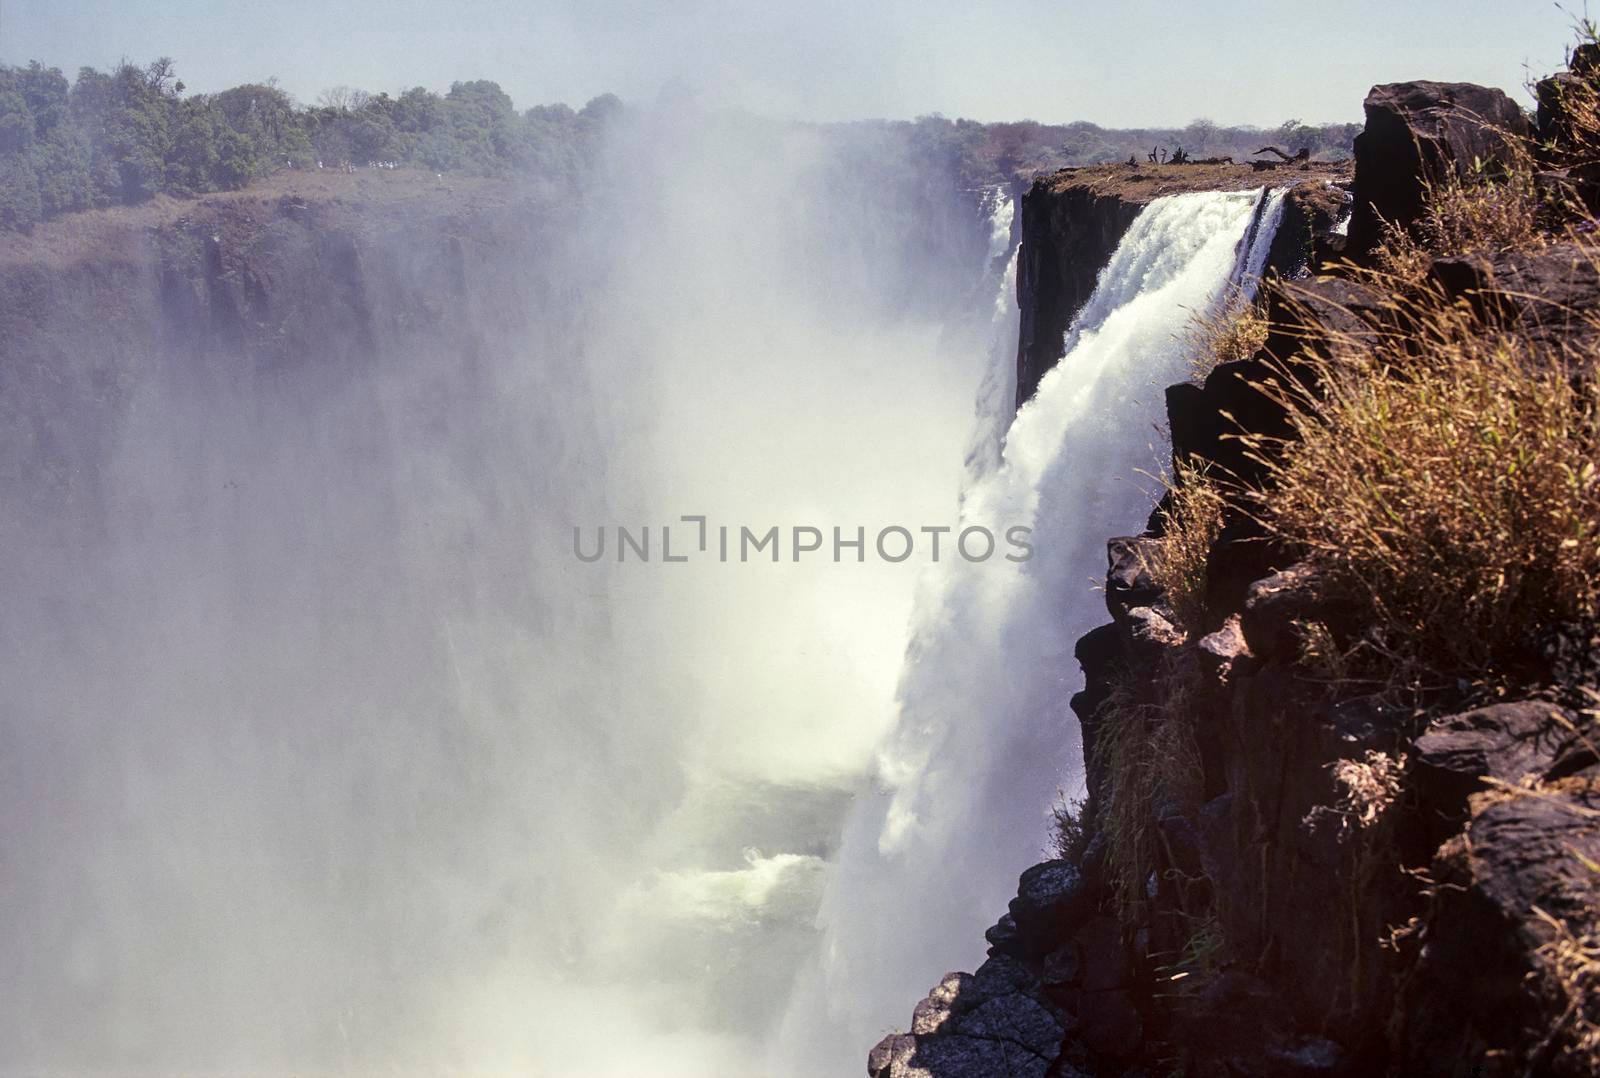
[123, 137]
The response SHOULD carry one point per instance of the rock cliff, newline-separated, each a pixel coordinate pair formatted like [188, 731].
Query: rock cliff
[316, 273]
[1073, 220]
[1354, 887]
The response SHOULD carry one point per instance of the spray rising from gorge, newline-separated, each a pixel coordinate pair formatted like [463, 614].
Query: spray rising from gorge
[362, 770]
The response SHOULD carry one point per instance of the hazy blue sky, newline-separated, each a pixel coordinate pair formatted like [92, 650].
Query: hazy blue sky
[1117, 62]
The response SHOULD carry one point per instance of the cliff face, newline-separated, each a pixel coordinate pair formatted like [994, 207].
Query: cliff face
[1356, 886]
[1072, 222]
[323, 274]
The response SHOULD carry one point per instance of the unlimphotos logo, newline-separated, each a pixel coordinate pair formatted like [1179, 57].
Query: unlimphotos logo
[742, 543]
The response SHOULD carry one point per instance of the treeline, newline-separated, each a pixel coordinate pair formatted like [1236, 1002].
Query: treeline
[121, 137]
[124, 136]
[986, 153]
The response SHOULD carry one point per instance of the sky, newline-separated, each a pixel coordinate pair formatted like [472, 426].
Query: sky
[1114, 62]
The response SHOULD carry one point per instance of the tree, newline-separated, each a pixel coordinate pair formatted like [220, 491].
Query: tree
[20, 206]
[61, 164]
[343, 98]
[192, 164]
[16, 123]
[1196, 138]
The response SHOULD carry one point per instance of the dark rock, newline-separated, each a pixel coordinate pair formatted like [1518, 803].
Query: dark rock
[1277, 607]
[891, 1055]
[1242, 554]
[1062, 966]
[1547, 293]
[1109, 1024]
[1310, 212]
[1003, 939]
[1417, 133]
[1305, 1057]
[1349, 728]
[1018, 1018]
[971, 1057]
[1501, 741]
[1048, 896]
[1104, 955]
[1552, 118]
[1068, 236]
[1150, 634]
[934, 1012]
[1312, 318]
[1128, 582]
[998, 976]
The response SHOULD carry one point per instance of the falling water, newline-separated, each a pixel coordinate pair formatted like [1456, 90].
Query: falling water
[983, 739]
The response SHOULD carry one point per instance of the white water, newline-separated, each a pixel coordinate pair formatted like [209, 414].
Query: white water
[984, 738]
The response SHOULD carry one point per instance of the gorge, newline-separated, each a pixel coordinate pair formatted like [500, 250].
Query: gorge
[327, 749]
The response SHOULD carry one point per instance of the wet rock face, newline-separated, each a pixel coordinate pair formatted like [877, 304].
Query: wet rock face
[1068, 236]
[1422, 132]
[1073, 221]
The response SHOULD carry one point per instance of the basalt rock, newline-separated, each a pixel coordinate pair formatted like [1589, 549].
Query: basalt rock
[1419, 133]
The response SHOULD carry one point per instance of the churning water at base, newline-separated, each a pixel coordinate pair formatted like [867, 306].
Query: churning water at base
[983, 738]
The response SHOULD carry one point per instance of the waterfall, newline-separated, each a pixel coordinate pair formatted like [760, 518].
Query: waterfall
[983, 738]
[999, 388]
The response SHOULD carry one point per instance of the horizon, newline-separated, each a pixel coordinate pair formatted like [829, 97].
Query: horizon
[551, 54]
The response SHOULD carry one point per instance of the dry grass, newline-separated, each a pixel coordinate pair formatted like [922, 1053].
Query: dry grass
[1192, 518]
[1236, 330]
[1484, 209]
[1068, 836]
[1577, 144]
[1570, 963]
[1146, 747]
[1367, 787]
[1447, 479]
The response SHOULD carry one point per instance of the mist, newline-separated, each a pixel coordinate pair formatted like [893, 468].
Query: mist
[324, 754]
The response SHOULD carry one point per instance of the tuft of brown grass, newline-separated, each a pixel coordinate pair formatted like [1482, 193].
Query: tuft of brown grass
[1402, 261]
[1146, 746]
[1577, 102]
[1568, 965]
[1367, 787]
[1235, 330]
[1483, 209]
[1571, 965]
[1448, 479]
[1068, 837]
[1191, 520]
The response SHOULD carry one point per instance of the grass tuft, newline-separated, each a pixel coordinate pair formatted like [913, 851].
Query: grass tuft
[1235, 330]
[1447, 477]
[1191, 520]
[1146, 746]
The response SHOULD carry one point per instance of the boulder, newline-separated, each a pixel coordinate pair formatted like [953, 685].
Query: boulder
[1552, 119]
[1419, 133]
[1049, 895]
